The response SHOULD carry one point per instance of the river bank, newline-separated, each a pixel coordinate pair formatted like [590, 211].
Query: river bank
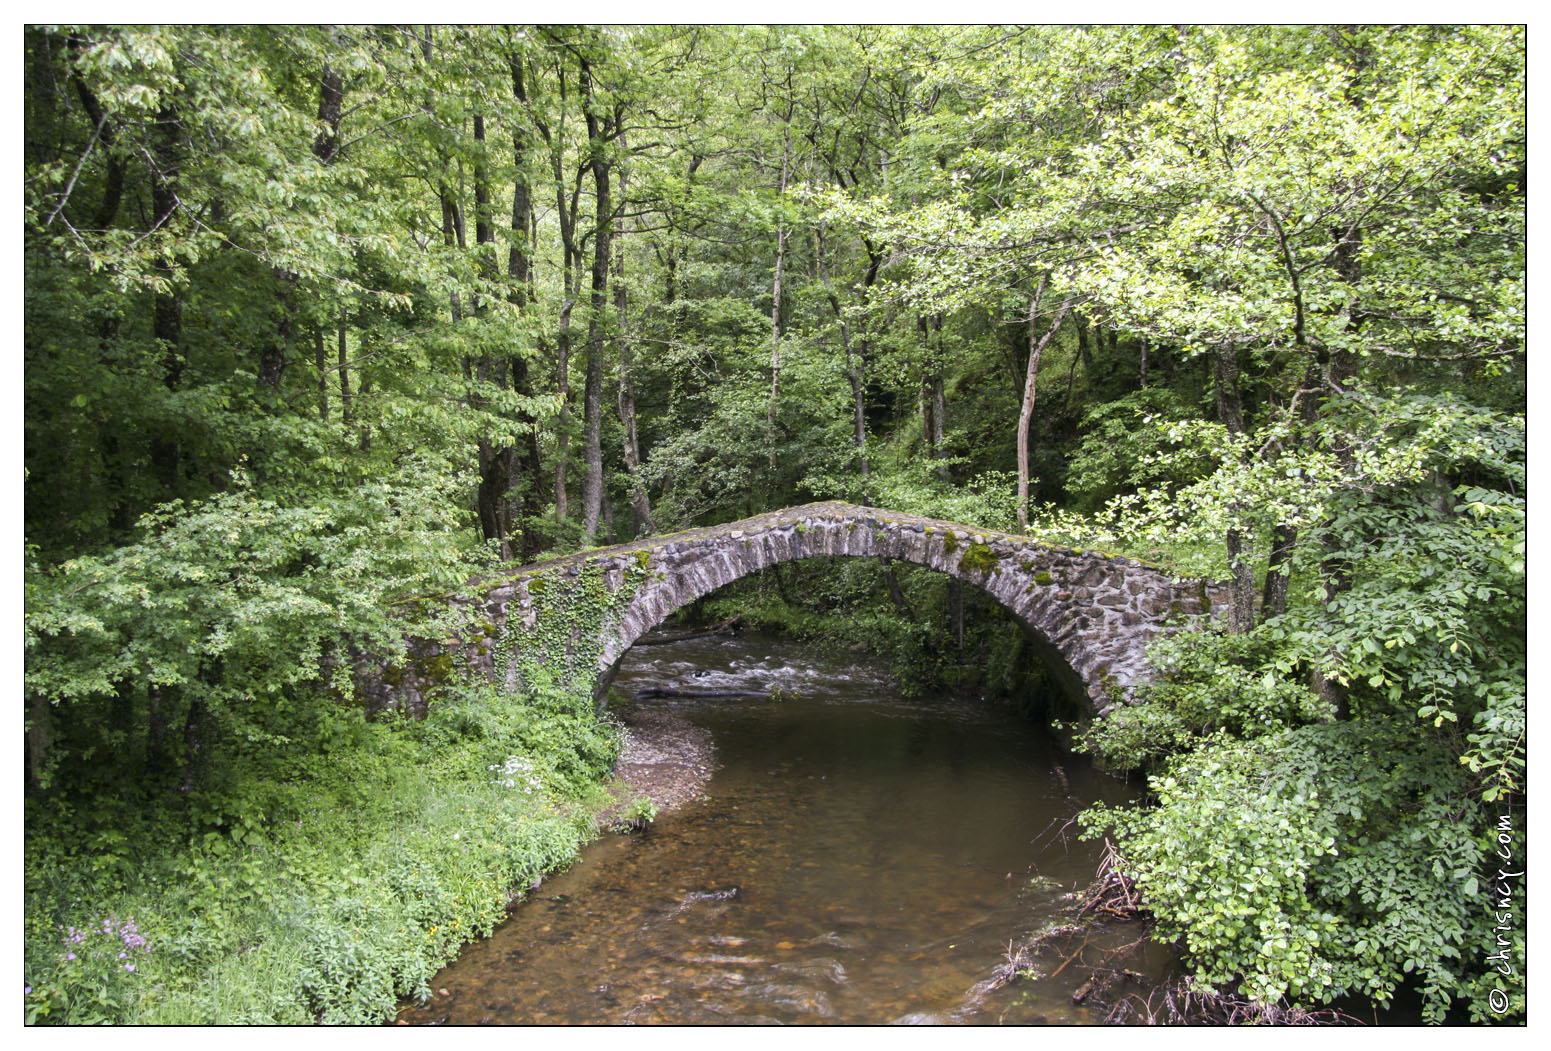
[665, 758]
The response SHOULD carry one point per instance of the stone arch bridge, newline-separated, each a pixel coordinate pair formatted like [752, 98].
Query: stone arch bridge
[1091, 614]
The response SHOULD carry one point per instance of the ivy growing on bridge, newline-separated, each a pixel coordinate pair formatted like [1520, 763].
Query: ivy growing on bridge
[573, 612]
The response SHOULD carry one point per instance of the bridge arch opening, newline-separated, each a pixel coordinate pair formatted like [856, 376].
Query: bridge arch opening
[1054, 691]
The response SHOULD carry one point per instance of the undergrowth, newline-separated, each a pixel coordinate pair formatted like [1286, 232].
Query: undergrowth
[354, 875]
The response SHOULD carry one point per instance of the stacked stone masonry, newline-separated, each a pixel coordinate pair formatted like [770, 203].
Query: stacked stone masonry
[1093, 614]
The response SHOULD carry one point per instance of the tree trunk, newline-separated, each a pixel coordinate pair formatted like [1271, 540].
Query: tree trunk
[166, 454]
[113, 183]
[344, 373]
[956, 612]
[896, 596]
[194, 745]
[331, 97]
[640, 505]
[1230, 413]
[274, 357]
[519, 268]
[1284, 538]
[1030, 382]
[321, 360]
[563, 391]
[598, 134]
[855, 363]
[935, 418]
[40, 720]
[158, 699]
[495, 461]
[775, 298]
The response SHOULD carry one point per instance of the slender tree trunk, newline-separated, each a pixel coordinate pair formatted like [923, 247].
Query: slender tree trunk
[939, 406]
[896, 595]
[1030, 384]
[563, 391]
[166, 454]
[519, 268]
[40, 724]
[159, 698]
[495, 460]
[924, 408]
[775, 299]
[197, 728]
[956, 612]
[274, 357]
[598, 134]
[1284, 538]
[344, 372]
[113, 182]
[854, 362]
[1230, 412]
[193, 745]
[640, 505]
[934, 393]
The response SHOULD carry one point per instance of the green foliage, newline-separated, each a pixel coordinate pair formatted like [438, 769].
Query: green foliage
[1127, 447]
[638, 814]
[363, 875]
[1316, 861]
[210, 594]
[1210, 685]
[1321, 862]
[574, 611]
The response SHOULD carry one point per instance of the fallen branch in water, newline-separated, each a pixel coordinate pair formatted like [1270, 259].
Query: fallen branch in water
[684, 691]
[1186, 1003]
[721, 627]
[1112, 892]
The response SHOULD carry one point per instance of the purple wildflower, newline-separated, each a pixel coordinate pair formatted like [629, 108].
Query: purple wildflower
[129, 967]
[69, 956]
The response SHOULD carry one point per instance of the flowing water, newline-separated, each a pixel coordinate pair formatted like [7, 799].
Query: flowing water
[860, 857]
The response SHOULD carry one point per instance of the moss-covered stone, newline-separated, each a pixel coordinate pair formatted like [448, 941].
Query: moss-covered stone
[434, 669]
[1043, 579]
[978, 557]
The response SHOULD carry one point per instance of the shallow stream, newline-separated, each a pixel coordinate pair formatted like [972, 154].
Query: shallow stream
[859, 857]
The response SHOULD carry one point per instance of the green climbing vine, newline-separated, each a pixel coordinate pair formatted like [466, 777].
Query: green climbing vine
[573, 611]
